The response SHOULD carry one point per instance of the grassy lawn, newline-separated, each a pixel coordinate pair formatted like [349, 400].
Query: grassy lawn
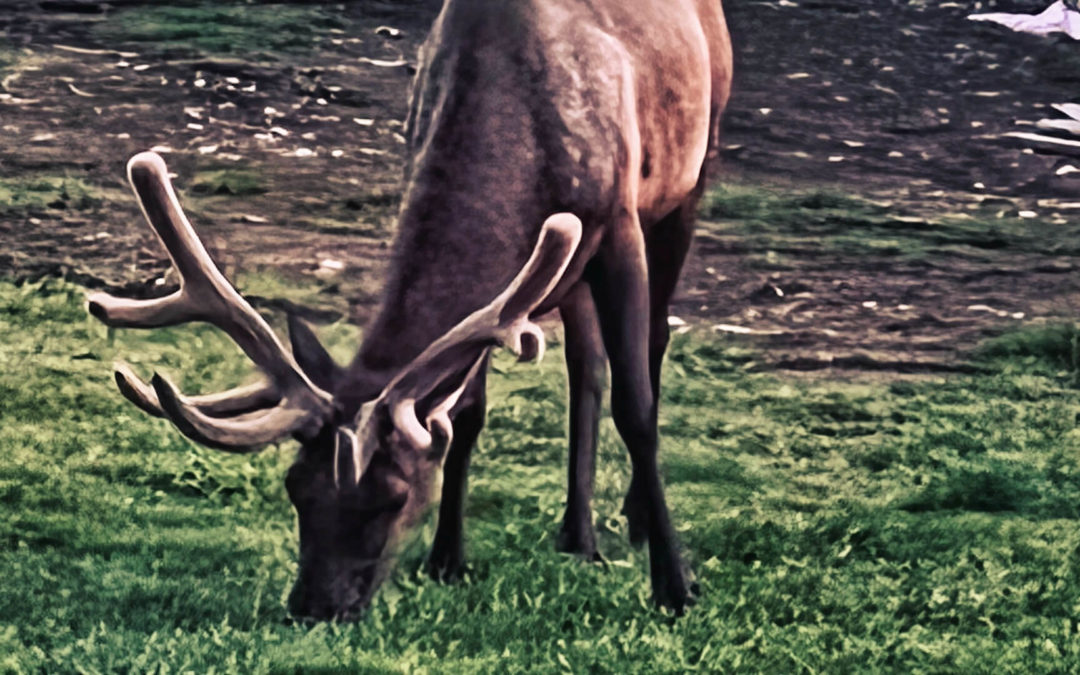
[904, 525]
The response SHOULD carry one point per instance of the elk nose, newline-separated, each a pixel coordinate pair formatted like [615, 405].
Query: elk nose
[303, 604]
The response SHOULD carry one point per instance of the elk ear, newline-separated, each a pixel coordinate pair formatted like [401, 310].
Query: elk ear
[313, 358]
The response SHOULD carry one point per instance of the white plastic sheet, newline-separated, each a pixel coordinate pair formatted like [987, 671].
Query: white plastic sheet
[1057, 18]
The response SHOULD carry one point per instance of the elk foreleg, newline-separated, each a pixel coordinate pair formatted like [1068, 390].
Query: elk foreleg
[446, 561]
[585, 368]
[621, 291]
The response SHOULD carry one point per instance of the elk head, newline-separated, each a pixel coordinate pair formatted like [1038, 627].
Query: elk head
[362, 477]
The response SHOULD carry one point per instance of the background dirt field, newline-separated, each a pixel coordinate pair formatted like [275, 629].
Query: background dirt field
[873, 216]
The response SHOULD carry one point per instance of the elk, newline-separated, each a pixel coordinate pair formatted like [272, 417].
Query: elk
[557, 154]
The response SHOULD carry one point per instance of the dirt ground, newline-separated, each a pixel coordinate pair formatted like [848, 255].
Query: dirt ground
[900, 102]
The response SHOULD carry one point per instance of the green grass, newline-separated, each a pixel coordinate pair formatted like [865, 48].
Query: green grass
[8, 58]
[220, 29]
[805, 222]
[913, 525]
[231, 182]
[35, 192]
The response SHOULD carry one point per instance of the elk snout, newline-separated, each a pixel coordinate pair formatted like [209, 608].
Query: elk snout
[314, 602]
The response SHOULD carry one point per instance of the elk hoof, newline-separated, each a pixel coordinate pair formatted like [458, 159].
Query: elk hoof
[448, 570]
[675, 592]
[568, 541]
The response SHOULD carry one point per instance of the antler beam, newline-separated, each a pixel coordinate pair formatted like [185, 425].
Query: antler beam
[205, 295]
[505, 321]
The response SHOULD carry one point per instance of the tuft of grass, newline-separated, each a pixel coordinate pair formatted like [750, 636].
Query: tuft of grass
[36, 192]
[220, 29]
[229, 181]
[919, 525]
[8, 58]
[1056, 347]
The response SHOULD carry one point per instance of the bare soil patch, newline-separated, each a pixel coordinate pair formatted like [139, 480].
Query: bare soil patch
[291, 157]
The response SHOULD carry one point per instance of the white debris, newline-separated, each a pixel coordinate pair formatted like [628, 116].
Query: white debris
[1070, 109]
[363, 121]
[79, 92]
[987, 308]
[1042, 139]
[870, 304]
[162, 149]
[331, 264]
[742, 330]
[388, 31]
[1027, 214]
[337, 153]
[1057, 18]
[675, 322]
[381, 63]
[96, 52]
[207, 149]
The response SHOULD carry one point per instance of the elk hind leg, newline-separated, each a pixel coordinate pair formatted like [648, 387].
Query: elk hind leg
[666, 245]
[621, 290]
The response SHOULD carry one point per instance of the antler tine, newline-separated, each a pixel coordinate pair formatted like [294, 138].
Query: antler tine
[505, 321]
[242, 399]
[204, 295]
[239, 433]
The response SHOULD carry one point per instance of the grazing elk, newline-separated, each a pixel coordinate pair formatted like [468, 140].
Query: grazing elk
[557, 155]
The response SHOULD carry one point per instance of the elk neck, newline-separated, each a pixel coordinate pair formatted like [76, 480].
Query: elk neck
[479, 186]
